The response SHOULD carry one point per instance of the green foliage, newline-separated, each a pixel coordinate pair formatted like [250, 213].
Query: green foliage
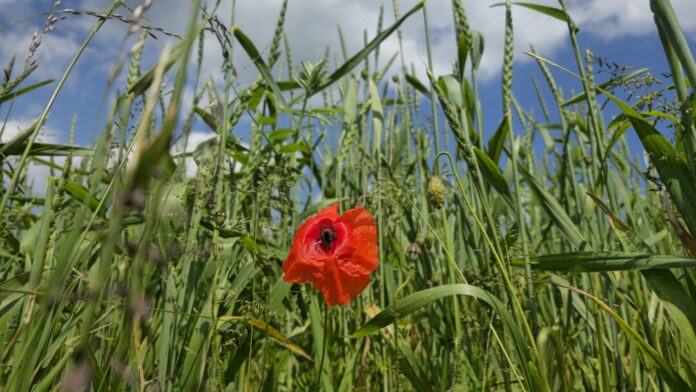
[523, 267]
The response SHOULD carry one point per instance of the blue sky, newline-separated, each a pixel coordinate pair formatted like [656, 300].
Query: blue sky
[621, 31]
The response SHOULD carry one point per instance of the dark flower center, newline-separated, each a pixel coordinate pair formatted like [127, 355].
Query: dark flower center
[327, 239]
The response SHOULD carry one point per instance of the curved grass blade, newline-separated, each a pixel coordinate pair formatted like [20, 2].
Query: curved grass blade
[18, 141]
[555, 211]
[46, 149]
[667, 372]
[11, 285]
[418, 300]
[265, 72]
[364, 52]
[497, 141]
[679, 304]
[546, 10]
[672, 168]
[492, 174]
[13, 94]
[81, 194]
[412, 369]
[418, 85]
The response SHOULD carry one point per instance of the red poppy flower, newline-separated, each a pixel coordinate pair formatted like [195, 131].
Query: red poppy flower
[336, 253]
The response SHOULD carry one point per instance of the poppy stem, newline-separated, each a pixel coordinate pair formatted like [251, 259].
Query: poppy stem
[323, 347]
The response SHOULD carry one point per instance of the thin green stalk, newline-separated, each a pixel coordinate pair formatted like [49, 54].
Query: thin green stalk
[433, 106]
[507, 112]
[39, 123]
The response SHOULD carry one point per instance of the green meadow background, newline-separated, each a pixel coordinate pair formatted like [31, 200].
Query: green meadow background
[538, 254]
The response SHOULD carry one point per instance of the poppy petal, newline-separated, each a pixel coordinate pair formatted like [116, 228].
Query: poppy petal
[339, 287]
[362, 255]
[336, 253]
[300, 265]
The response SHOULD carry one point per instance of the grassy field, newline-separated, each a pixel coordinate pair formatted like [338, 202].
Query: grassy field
[536, 255]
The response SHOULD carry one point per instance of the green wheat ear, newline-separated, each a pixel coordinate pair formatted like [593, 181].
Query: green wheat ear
[136, 57]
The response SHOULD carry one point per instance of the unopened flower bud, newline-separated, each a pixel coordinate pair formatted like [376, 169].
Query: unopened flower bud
[414, 251]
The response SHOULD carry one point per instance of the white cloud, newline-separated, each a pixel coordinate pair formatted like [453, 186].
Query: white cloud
[15, 126]
[37, 174]
[194, 140]
[620, 18]
[53, 53]
[311, 26]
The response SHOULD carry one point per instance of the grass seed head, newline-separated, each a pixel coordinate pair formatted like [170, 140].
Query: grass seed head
[436, 192]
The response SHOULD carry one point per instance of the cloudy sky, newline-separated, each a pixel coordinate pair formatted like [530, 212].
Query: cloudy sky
[621, 31]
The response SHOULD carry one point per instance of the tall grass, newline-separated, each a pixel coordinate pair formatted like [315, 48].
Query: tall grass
[561, 265]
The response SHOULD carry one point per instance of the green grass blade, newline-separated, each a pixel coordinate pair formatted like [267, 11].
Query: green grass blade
[669, 373]
[420, 299]
[358, 58]
[600, 261]
[554, 210]
[14, 94]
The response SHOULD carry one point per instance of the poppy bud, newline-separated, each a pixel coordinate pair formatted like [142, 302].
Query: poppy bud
[414, 251]
[364, 74]
[220, 218]
[436, 192]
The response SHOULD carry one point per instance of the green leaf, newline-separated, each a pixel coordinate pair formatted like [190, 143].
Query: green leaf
[492, 175]
[596, 261]
[267, 330]
[351, 63]
[462, 54]
[626, 235]
[452, 89]
[290, 148]
[281, 134]
[672, 168]
[497, 141]
[46, 149]
[350, 104]
[409, 304]
[676, 300]
[11, 285]
[546, 10]
[554, 210]
[81, 194]
[418, 85]
[668, 372]
[412, 369]
[207, 118]
[477, 47]
[257, 59]
[279, 291]
[18, 142]
[13, 94]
